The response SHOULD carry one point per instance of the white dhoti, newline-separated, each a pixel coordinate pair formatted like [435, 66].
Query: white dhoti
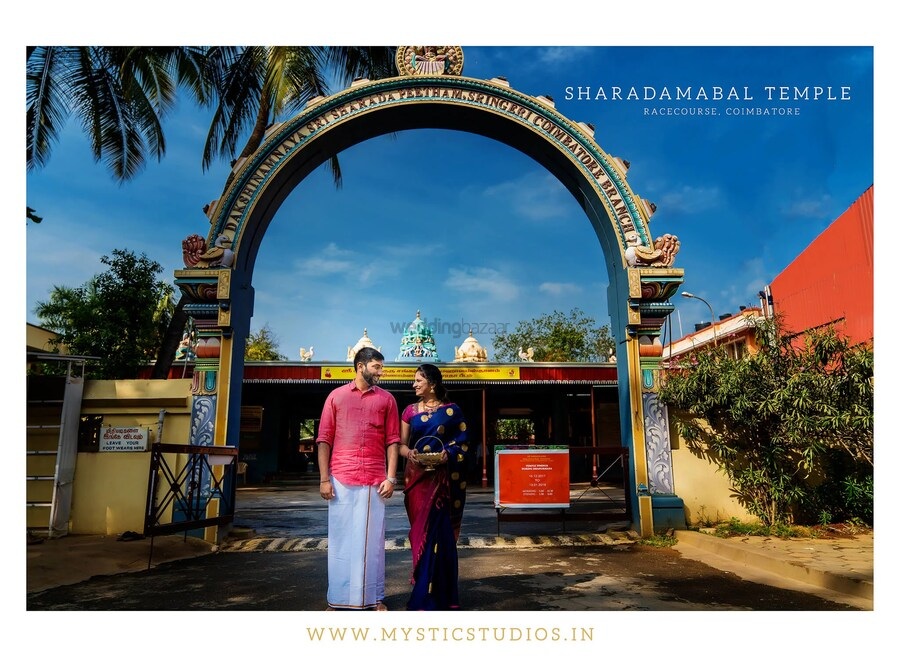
[355, 547]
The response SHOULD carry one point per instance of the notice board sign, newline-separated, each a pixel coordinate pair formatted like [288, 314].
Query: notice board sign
[530, 476]
[124, 439]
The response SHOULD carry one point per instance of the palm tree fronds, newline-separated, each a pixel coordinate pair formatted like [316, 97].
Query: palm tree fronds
[372, 62]
[46, 103]
[238, 77]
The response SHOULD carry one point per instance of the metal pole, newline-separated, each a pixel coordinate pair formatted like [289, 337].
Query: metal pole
[711, 312]
[484, 480]
[593, 438]
[159, 425]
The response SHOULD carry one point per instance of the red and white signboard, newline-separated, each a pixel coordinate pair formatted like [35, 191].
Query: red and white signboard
[531, 477]
[124, 439]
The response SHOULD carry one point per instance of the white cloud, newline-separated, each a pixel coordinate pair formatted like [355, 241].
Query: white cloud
[536, 196]
[814, 208]
[559, 289]
[332, 260]
[556, 56]
[689, 199]
[479, 282]
[364, 268]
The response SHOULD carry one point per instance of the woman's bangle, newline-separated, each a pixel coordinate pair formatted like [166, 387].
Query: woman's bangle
[327, 481]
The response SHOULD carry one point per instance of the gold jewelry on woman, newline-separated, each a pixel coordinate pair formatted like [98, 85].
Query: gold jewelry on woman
[429, 409]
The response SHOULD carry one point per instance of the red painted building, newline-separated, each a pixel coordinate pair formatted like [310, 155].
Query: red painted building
[832, 280]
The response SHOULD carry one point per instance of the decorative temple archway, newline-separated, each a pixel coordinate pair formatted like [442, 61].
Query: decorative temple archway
[431, 93]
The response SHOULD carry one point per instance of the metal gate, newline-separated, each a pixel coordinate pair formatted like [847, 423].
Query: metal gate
[184, 489]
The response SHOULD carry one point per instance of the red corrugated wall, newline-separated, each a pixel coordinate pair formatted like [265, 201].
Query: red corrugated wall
[834, 277]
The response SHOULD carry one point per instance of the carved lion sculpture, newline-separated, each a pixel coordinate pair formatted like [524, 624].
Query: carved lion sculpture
[192, 247]
[668, 246]
[661, 254]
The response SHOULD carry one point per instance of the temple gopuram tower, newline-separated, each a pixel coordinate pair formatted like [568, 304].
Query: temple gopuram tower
[417, 344]
[470, 351]
[364, 341]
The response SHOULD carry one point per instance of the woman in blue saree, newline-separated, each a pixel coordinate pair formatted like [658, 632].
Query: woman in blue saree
[434, 495]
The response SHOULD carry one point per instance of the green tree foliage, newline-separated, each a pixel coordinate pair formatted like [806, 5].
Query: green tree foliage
[116, 316]
[515, 429]
[556, 338]
[791, 425]
[262, 345]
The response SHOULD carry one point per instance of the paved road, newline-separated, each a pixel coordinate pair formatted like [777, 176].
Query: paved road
[598, 578]
[299, 512]
[267, 571]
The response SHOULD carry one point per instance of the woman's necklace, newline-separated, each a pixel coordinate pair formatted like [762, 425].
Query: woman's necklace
[429, 408]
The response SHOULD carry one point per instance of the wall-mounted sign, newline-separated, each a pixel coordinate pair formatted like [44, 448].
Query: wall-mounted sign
[124, 439]
[531, 476]
[394, 373]
[251, 419]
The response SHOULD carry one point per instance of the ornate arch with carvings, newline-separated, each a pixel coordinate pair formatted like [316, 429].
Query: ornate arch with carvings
[642, 278]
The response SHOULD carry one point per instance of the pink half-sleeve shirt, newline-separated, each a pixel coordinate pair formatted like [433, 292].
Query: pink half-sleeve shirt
[359, 426]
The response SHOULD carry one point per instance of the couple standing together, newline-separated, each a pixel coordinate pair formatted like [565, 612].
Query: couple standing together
[361, 436]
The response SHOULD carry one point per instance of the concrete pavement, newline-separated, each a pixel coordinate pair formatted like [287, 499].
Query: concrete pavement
[839, 569]
[76, 558]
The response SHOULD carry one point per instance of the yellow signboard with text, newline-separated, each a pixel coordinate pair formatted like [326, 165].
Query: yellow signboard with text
[407, 372]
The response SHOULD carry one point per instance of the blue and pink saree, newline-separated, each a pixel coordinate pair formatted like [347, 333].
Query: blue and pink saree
[434, 501]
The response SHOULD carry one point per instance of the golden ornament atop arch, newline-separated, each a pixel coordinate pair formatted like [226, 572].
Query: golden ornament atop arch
[429, 60]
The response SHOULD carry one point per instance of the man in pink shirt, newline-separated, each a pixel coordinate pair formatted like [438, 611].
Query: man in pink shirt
[359, 431]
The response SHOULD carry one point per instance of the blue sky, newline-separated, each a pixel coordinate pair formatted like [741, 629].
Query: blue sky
[473, 233]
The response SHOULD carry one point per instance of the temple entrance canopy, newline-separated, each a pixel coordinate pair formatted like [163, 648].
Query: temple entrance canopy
[430, 92]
